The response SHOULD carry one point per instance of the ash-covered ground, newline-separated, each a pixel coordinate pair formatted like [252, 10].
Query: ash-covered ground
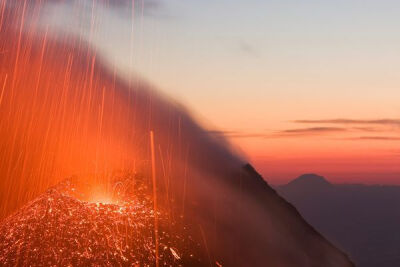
[59, 229]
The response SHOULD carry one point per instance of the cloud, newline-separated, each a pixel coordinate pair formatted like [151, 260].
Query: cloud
[378, 138]
[150, 8]
[218, 132]
[152, 4]
[120, 3]
[393, 122]
[281, 134]
[237, 134]
[248, 49]
[250, 135]
[312, 131]
[153, 8]
[143, 7]
[367, 129]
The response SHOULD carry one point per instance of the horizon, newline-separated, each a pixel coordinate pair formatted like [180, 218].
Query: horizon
[332, 182]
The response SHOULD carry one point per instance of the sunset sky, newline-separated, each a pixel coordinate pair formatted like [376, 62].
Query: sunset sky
[297, 87]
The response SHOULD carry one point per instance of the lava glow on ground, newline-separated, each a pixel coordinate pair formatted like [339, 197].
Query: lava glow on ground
[58, 229]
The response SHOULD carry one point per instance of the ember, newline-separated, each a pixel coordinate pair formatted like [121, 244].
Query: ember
[59, 229]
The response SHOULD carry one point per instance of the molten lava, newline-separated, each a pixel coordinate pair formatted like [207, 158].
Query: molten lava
[57, 229]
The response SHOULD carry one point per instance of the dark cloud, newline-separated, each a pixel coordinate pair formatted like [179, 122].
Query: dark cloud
[225, 133]
[149, 8]
[152, 8]
[367, 129]
[312, 130]
[153, 4]
[236, 134]
[250, 135]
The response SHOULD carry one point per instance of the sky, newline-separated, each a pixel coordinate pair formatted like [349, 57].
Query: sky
[296, 86]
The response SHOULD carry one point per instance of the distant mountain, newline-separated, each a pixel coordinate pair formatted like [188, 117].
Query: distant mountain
[363, 220]
[310, 181]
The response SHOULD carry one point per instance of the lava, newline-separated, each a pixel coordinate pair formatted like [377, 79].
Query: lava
[59, 229]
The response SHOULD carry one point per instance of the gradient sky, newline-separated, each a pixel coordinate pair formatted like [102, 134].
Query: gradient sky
[297, 86]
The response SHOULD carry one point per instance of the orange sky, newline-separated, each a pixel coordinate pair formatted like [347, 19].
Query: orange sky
[343, 150]
[280, 159]
[255, 69]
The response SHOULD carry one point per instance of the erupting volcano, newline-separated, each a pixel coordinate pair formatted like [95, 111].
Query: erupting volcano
[185, 197]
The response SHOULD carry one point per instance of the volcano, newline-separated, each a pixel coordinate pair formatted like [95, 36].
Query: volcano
[65, 112]
[63, 227]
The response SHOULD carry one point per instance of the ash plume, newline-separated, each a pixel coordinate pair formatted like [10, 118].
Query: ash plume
[91, 120]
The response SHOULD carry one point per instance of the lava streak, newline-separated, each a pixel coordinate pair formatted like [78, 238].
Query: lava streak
[64, 112]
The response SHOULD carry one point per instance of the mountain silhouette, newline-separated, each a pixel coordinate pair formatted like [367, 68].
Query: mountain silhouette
[360, 219]
[310, 181]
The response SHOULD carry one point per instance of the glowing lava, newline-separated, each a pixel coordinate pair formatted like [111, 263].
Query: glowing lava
[58, 229]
